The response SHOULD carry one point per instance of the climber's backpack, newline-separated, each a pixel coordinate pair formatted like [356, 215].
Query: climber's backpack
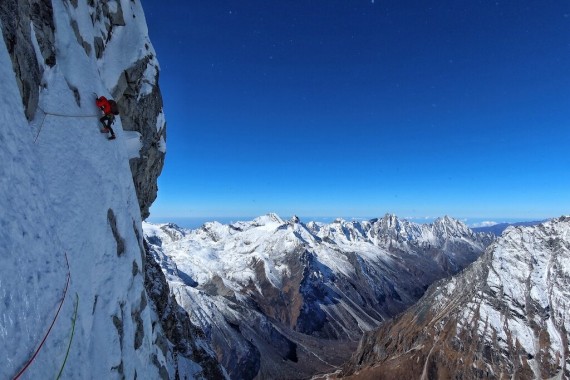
[114, 107]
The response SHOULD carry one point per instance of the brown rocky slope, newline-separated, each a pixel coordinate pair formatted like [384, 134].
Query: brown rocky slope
[505, 317]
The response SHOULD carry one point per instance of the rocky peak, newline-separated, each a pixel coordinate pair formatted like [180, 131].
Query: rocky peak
[294, 219]
[313, 227]
[391, 228]
[216, 231]
[390, 221]
[504, 317]
[318, 284]
[267, 219]
[447, 225]
[173, 231]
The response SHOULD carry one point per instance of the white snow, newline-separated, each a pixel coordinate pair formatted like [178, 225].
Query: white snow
[160, 121]
[133, 142]
[32, 262]
[128, 44]
[232, 260]
[149, 78]
[113, 6]
[523, 300]
[60, 179]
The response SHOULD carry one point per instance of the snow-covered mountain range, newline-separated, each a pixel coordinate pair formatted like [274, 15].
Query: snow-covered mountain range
[79, 298]
[505, 317]
[285, 299]
[87, 293]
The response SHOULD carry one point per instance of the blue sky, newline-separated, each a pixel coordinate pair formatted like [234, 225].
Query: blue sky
[358, 108]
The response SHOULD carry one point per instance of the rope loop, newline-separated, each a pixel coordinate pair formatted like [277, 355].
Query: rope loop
[29, 362]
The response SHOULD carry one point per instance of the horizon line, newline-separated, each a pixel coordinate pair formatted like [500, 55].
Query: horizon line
[502, 219]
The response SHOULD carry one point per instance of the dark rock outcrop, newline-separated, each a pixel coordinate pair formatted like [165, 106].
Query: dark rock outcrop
[137, 93]
[143, 114]
[176, 324]
[16, 17]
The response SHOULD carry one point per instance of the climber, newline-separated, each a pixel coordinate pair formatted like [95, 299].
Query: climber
[109, 108]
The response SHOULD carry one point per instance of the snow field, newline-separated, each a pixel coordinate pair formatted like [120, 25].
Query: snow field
[63, 185]
[32, 264]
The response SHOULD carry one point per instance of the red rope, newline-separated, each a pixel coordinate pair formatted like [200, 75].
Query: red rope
[49, 330]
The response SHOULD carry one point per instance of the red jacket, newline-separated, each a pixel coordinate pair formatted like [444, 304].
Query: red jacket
[104, 104]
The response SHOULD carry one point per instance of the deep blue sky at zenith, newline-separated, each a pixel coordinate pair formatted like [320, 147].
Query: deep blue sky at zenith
[358, 108]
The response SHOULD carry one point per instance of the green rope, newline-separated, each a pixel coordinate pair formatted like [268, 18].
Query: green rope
[71, 338]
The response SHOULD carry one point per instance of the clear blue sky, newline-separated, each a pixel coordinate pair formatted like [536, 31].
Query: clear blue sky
[358, 108]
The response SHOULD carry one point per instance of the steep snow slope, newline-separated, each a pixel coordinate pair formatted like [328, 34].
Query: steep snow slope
[284, 299]
[32, 262]
[506, 316]
[66, 190]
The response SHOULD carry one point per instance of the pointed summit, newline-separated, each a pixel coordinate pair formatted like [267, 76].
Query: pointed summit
[505, 314]
[451, 225]
[294, 219]
[390, 220]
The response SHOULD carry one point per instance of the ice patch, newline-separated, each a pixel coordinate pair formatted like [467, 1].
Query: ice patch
[133, 142]
[149, 79]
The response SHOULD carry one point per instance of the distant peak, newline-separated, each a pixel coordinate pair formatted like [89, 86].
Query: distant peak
[391, 220]
[209, 225]
[269, 218]
[446, 219]
[448, 223]
[294, 219]
[172, 225]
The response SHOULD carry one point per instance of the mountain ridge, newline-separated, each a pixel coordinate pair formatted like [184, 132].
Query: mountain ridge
[504, 316]
[322, 282]
[497, 229]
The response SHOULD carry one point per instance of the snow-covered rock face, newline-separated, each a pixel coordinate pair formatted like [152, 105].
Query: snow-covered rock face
[70, 226]
[114, 41]
[281, 299]
[504, 317]
[23, 24]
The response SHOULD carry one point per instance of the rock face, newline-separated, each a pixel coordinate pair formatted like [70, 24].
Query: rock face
[285, 300]
[136, 90]
[16, 17]
[140, 101]
[504, 317]
[187, 339]
[72, 202]
[133, 83]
